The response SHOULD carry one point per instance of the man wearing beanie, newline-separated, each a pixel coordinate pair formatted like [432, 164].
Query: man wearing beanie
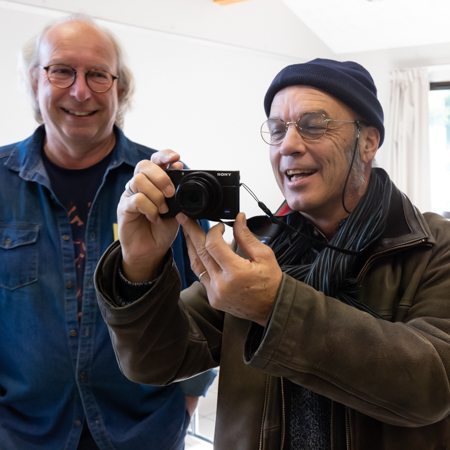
[331, 321]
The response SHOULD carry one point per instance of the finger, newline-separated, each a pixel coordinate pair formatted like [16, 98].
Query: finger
[148, 175]
[214, 252]
[201, 275]
[197, 237]
[252, 247]
[128, 191]
[137, 205]
[217, 247]
[195, 261]
[178, 165]
[165, 158]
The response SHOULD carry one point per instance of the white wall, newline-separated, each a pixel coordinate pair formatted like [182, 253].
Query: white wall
[199, 98]
[196, 96]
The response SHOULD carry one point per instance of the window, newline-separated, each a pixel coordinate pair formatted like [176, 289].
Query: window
[439, 105]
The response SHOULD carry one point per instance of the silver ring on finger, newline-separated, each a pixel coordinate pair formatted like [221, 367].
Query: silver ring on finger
[200, 276]
[128, 189]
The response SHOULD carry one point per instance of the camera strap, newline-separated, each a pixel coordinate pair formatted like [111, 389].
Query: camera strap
[277, 221]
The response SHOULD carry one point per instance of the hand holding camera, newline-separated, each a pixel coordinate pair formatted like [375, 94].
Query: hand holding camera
[156, 193]
[144, 236]
[147, 230]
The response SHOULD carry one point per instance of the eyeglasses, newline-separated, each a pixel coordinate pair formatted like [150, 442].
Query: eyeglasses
[63, 77]
[310, 126]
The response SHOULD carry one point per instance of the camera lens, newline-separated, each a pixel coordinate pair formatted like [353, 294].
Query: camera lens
[193, 196]
[199, 194]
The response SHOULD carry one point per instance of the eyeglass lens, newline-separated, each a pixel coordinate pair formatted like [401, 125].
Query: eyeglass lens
[63, 76]
[310, 126]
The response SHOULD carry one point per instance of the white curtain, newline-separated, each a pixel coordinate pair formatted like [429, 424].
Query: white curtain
[407, 135]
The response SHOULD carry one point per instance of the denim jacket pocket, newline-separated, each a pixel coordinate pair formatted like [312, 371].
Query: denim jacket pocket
[18, 255]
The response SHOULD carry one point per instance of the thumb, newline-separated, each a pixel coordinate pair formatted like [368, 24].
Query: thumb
[245, 238]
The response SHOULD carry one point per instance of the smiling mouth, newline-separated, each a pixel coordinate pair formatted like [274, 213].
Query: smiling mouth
[299, 174]
[79, 113]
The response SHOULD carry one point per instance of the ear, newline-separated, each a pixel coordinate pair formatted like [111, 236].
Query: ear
[370, 139]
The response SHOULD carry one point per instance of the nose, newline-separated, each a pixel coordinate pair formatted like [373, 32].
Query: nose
[80, 90]
[293, 142]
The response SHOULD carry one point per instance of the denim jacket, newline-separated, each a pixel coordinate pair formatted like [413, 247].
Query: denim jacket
[55, 373]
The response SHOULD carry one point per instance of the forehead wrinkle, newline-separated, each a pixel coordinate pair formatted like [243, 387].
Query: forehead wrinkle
[291, 106]
[64, 44]
[294, 101]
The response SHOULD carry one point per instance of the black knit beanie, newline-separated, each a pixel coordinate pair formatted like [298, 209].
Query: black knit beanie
[347, 81]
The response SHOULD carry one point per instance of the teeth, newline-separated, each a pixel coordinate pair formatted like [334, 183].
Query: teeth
[299, 171]
[78, 113]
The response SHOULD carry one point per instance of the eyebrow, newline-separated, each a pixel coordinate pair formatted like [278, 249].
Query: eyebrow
[320, 111]
[102, 67]
[95, 66]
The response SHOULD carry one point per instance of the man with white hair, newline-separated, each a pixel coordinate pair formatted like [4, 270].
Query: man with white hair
[60, 386]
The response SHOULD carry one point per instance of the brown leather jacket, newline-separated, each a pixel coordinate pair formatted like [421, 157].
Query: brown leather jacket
[392, 375]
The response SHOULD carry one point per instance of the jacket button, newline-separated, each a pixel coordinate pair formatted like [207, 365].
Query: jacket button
[81, 376]
[7, 242]
[69, 285]
[78, 423]
[73, 332]
[66, 237]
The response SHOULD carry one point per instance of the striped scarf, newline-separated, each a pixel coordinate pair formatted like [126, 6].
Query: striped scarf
[330, 272]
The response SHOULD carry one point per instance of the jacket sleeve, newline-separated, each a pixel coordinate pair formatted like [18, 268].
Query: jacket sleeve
[395, 370]
[160, 338]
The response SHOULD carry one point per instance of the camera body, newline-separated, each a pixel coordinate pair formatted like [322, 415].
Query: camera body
[204, 194]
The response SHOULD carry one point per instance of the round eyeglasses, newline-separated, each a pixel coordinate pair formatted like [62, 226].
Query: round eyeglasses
[63, 77]
[310, 126]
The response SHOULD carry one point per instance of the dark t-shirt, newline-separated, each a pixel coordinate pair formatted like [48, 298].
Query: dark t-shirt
[76, 189]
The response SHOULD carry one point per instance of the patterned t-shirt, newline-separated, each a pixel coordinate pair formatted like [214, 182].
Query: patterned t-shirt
[76, 189]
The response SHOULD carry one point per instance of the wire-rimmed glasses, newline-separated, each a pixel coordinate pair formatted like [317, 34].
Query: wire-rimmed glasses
[63, 76]
[311, 125]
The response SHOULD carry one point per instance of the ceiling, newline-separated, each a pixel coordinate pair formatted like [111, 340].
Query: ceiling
[348, 26]
[292, 28]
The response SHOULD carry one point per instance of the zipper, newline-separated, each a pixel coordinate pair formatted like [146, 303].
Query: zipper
[283, 424]
[332, 427]
[283, 414]
[334, 437]
[375, 256]
[347, 428]
[264, 413]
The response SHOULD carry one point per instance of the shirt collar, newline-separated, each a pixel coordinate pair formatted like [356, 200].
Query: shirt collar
[26, 158]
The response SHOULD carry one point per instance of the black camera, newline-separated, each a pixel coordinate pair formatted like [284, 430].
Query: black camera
[204, 194]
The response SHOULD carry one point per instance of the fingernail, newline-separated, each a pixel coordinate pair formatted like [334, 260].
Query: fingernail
[169, 191]
[181, 218]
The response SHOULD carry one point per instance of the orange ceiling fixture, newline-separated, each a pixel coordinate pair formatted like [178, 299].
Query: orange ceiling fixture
[227, 2]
